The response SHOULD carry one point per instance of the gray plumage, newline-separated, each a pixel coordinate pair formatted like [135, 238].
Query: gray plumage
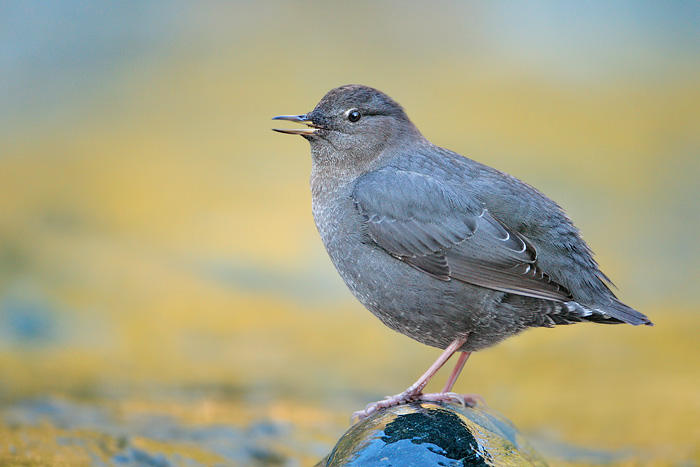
[439, 246]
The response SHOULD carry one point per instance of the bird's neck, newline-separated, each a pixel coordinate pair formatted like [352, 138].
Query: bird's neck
[328, 180]
[333, 166]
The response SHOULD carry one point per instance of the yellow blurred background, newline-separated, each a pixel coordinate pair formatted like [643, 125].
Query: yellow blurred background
[156, 236]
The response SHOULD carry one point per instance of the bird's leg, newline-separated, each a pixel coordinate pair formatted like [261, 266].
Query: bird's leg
[415, 391]
[464, 356]
[446, 395]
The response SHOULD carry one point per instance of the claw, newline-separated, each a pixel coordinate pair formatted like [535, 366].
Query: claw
[355, 417]
[458, 397]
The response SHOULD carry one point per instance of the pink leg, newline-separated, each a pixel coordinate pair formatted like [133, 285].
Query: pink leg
[417, 387]
[446, 396]
[415, 391]
[455, 373]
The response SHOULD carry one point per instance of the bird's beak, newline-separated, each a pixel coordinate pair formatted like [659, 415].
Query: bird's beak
[300, 119]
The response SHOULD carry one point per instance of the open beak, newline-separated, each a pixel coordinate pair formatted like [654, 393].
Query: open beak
[300, 119]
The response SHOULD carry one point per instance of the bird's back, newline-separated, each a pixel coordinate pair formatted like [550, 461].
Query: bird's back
[561, 251]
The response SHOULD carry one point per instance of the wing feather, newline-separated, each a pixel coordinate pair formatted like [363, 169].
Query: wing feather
[448, 234]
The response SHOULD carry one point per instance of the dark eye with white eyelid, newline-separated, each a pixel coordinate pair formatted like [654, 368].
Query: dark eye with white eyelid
[354, 115]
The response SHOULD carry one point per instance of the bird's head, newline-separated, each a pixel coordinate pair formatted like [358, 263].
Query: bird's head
[353, 126]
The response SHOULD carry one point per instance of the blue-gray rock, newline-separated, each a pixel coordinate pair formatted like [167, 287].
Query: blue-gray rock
[430, 434]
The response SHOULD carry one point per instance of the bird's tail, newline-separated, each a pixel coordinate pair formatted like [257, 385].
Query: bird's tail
[613, 312]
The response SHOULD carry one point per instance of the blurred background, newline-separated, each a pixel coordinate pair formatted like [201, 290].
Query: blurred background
[158, 255]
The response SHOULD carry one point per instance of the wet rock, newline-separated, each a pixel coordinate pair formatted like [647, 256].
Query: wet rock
[433, 434]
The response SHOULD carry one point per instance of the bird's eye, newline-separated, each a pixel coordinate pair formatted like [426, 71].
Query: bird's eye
[354, 115]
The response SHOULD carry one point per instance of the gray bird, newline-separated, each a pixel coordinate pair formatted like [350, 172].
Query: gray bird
[450, 252]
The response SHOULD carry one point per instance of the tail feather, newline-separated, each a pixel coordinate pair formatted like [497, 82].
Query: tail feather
[614, 312]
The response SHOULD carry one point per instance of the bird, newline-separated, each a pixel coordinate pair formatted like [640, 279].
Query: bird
[450, 252]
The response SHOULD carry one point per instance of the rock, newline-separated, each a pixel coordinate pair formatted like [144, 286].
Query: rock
[433, 434]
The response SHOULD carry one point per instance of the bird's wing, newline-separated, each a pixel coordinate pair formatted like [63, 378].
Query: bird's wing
[448, 234]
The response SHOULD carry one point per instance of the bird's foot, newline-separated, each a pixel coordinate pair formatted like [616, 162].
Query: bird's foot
[389, 401]
[466, 400]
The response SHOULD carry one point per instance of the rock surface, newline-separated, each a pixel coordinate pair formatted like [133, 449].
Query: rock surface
[433, 434]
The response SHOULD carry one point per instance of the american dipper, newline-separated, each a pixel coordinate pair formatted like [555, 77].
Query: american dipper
[450, 252]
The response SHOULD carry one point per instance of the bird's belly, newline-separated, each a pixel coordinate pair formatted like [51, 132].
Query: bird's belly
[408, 300]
